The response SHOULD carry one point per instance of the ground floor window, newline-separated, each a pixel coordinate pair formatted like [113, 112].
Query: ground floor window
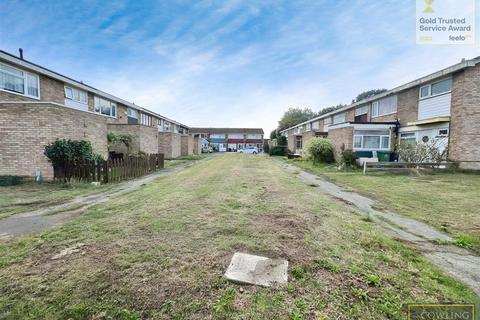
[371, 140]
[299, 142]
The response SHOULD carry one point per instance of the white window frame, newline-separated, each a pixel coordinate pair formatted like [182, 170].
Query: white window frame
[429, 86]
[130, 114]
[113, 106]
[80, 92]
[375, 108]
[344, 114]
[25, 75]
[362, 148]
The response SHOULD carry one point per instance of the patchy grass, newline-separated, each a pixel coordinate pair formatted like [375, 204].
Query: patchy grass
[160, 252]
[447, 200]
[31, 196]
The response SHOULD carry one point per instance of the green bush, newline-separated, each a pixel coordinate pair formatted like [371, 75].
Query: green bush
[266, 148]
[278, 151]
[320, 150]
[282, 141]
[63, 151]
[349, 158]
[6, 181]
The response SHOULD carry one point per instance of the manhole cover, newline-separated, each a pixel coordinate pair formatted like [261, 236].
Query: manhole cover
[262, 271]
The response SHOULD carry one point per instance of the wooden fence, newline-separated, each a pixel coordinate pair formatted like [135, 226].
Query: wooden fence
[402, 166]
[112, 170]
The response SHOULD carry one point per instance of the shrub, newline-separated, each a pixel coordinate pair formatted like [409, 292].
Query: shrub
[349, 158]
[6, 181]
[62, 151]
[320, 150]
[426, 151]
[282, 141]
[278, 151]
[266, 148]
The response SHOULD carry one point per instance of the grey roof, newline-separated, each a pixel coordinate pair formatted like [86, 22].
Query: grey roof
[42, 70]
[442, 73]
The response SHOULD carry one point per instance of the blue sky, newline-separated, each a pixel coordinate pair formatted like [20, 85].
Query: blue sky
[226, 63]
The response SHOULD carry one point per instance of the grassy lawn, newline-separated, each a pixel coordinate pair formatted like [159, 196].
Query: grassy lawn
[30, 196]
[160, 252]
[448, 201]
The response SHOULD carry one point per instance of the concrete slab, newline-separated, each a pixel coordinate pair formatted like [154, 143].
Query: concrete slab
[261, 271]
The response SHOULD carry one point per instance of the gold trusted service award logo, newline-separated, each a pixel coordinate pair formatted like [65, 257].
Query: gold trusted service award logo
[445, 22]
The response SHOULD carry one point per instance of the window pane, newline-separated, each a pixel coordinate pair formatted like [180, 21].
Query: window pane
[424, 91]
[361, 110]
[68, 93]
[371, 142]
[114, 110]
[11, 82]
[441, 87]
[357, 143]
[375, 109]
[32, 85]
[385, 141]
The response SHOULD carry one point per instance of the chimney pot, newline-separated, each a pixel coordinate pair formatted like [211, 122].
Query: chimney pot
[20, 53]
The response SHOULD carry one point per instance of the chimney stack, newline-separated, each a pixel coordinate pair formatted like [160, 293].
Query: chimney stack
[20, 53]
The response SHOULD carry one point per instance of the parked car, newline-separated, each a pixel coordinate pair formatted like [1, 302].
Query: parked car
[207, 149]
[249, 150]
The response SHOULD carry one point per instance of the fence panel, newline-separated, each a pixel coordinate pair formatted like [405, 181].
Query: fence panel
[111, 170]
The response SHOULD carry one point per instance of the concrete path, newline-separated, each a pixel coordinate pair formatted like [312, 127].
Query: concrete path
[455, 261]
[48, 217]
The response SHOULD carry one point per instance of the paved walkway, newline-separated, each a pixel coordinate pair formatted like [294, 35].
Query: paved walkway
[48, 217]
[457, 262]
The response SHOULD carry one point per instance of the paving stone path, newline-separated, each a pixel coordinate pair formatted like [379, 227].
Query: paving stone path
[455, 261]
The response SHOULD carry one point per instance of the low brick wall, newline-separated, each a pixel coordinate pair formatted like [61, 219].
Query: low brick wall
[169, 144]
[342, 138]
[186, 145]
[197, 146]
[25, 130]
[144, 139]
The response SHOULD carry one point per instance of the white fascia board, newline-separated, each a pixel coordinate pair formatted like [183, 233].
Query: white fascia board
[417, 82]
[372, 126]
[32, 67]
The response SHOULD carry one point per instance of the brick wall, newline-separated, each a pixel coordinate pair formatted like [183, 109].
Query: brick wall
[169, 144]
[464, 143]
[342, 138]
[144, 139]
[407, 108]
[197, 145]
[291, 142]
[25, 130]
[186, 147]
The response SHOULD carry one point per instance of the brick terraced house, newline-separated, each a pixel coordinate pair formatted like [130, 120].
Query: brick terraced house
[38, 106]
[444, 106]
[230, 139]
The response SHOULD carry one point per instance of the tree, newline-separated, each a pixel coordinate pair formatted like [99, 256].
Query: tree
[274, 134]
[282, 141]
[330, 109]
[368, 94]
[294, 116]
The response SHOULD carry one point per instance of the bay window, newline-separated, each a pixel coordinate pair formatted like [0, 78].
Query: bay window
[371, 140]
[19, 81]
[105, 107]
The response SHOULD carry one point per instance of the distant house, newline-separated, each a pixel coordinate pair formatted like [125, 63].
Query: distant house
[38, 106]
[231, 139]
[444, 105]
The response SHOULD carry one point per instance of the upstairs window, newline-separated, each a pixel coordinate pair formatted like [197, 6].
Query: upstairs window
[436, 88]
[339, 118]
[361, 114]
[384, 106]
[132, 113]
[146, 119]
[19, 81]
[327, 121]
[105, 107]
[76, 95]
